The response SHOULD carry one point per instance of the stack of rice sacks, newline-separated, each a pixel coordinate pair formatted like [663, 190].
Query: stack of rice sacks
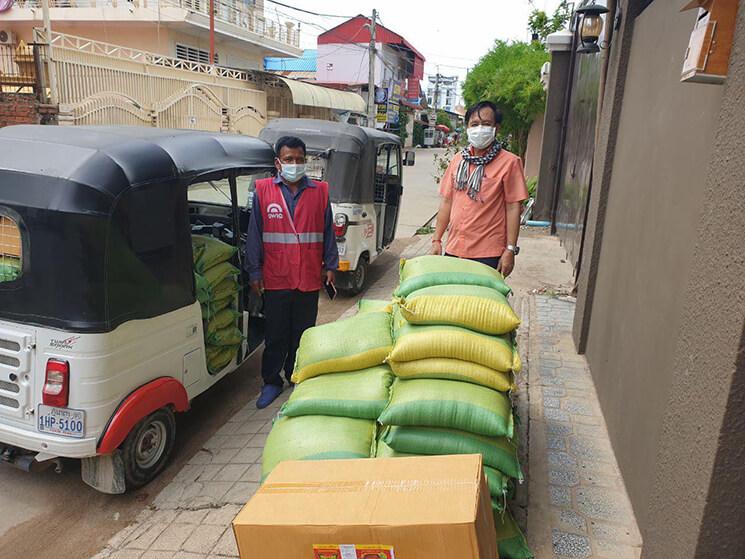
[217, 291]
[454, 357]
[342, 386]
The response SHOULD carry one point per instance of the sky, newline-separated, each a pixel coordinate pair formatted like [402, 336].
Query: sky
[452, 34]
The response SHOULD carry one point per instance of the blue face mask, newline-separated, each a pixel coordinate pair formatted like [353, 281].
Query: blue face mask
[293, 172]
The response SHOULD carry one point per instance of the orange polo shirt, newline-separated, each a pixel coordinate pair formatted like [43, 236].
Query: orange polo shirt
[478, 228]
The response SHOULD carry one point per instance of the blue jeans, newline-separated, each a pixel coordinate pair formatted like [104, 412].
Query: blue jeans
[492, 261]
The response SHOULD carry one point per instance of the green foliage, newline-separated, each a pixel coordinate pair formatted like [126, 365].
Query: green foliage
[444, 119]
[418, 138]
[509, 75]
[532, 184]
[540, 24]
[403, 122]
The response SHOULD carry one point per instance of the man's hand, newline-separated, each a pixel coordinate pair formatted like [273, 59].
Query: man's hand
[258, 287]
[331, 277]
[436, 248]
[506, 263]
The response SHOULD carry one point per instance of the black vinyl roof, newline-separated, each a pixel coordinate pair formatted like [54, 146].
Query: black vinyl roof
[111, 159]
[324, 134]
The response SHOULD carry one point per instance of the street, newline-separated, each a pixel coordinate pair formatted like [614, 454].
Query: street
[58, 516]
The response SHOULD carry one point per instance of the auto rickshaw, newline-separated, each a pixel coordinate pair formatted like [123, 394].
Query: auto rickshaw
[101, 333]
[363, 168]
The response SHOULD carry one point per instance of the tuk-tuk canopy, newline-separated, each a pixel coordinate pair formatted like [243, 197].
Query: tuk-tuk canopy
[93, 165]
[103, 217]
[350, 151]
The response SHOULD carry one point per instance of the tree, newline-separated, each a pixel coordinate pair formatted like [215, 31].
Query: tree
[510, 76]
[542, 26]
[403, 123]
[418, 136]
[444, 119]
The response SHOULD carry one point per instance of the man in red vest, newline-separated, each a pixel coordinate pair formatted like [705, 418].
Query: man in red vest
[290, 241]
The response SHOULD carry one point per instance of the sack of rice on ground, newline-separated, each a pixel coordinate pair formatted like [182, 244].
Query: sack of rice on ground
[428, 271]
[426, 342]
[222, 319]
[219, 357]
[499, 486]
[356, 343]
[373, 305]
[453, 369]
[359, 394]
[227, 336]
[317, 437]
[474, 307]
[382, 450]
[449, 403]
[211, 308]
[511, 542]
[499, 453]
[209, 252]
[226, 288]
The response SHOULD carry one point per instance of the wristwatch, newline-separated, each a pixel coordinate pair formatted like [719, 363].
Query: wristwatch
[514, 249]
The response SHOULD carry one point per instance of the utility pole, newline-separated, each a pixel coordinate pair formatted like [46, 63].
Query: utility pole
[212, 31]
[53, 91]
[437, 88]
[371, 110]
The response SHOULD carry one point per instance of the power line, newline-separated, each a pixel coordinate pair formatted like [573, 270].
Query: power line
[308, 11]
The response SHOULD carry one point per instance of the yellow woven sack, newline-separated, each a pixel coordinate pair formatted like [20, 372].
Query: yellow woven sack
[471, 306]
[453, 369]
[356, 343]
[425, 342]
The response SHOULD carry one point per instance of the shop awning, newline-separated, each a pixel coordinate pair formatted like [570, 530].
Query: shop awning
[317, 96]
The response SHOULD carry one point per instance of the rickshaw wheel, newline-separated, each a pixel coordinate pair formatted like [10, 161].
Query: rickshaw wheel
[146, 449]
[359, 276]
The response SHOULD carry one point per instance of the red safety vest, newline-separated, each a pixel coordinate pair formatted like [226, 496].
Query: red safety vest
[293, 246]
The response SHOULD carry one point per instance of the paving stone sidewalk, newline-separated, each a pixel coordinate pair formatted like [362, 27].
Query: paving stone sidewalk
[577, 502]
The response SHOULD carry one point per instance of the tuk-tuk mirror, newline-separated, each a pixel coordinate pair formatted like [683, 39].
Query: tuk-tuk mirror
[409, 158]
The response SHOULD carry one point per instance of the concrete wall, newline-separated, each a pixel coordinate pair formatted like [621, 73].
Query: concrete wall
[533, 153]
[661, 309]
[665, 135]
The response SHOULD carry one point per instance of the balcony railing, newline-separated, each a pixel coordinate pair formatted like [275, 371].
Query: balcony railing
[240, 13]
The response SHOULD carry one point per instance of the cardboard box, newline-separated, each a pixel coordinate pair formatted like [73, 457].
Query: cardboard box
[434, 507]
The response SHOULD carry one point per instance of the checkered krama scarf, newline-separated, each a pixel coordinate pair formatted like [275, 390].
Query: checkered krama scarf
[473, 183]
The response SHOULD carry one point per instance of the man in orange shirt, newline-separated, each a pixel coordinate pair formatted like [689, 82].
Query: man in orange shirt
[482, 193]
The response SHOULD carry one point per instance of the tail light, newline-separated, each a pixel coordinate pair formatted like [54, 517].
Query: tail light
[341, 223]
[56, 384]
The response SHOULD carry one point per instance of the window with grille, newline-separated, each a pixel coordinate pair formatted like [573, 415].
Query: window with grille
[192, 54]
[11, 254]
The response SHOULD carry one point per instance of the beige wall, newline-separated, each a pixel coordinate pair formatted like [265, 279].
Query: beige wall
[665, 133]
[533, 153]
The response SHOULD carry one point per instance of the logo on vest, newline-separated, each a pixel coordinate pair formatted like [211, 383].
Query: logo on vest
[274, 211]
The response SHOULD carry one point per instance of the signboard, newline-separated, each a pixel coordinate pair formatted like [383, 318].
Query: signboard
[381, 116]
[381, 95]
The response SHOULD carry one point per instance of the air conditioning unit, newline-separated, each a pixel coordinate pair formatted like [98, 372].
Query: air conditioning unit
[7, 38]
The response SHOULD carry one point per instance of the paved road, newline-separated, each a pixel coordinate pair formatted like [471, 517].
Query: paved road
[51, 515]
[420, 199]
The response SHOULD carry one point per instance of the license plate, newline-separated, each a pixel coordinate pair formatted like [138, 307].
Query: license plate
[342, 248]
[61, 421]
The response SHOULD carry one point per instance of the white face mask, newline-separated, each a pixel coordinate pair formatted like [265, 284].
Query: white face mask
[481, 137]
[293, 172]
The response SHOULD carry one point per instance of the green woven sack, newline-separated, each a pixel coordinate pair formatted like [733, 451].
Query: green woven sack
[373, 305]
[211, 308]
[216, 274]
[218, 357]
[226, 288]
[223, 319]
[510, 540]
[360, 394]
[356, 343]
[428, 271]
[318, 437]
[498, 452]
[449, 403]
[227, 336]
[382, 450]
[209, 252]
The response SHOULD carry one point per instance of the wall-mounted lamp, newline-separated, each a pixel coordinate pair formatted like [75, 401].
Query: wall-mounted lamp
[590, 27]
